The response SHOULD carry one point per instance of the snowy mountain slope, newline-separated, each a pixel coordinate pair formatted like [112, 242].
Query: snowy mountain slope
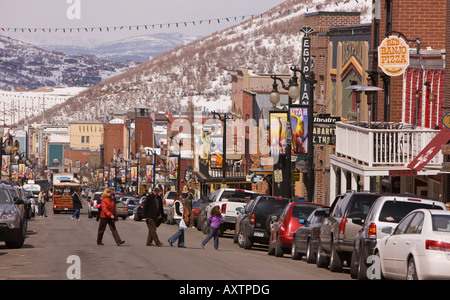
[24, 66]
[138, 49]
[202, 70]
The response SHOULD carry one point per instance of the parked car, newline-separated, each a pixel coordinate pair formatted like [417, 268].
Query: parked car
[386, 211]
[122, 209]
[132, 202]
[337, 234]
[257, 221]
[13, 222]
[92, 207]
[306, 237]
[139, 209]
[418, 248]
[33, 201]
[240, 215]
[228, 201]
[196, 207]
[283, 229]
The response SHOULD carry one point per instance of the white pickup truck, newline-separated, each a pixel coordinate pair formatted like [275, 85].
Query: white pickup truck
[228, 201]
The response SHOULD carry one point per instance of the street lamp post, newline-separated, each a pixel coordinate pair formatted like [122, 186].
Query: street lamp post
[180, 143]
[223, 119]
[294, 93]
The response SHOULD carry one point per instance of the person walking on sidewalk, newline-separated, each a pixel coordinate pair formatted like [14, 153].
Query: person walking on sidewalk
[153, 210]
[107, 218]
[215, 219]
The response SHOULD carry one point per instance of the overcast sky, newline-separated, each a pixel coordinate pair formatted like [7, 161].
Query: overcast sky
[109, 13]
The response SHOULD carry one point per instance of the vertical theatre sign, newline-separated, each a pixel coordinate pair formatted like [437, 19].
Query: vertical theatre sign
[305, 88]
[393, 56]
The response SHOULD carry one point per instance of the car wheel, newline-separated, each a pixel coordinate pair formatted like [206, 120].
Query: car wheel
[335, 260]
[241, 239]
[205, 226]
[295, 255]
[321, 258]
[310, 255]
[411, 272]
[362, 267]
[244, 241]
[354, 265]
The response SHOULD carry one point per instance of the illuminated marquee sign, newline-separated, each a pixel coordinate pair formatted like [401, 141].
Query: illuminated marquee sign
[393, 56]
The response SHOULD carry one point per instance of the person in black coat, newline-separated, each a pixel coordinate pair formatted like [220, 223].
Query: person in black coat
[152, 212]
[77, 206]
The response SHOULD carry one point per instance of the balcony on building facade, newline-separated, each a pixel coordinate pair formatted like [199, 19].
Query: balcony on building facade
[384, 144]
[235, 171]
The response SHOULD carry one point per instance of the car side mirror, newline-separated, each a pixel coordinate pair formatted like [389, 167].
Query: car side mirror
[18, 201]
[302, 221]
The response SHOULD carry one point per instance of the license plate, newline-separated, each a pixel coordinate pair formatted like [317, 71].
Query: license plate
[258, 234]
[66, 208]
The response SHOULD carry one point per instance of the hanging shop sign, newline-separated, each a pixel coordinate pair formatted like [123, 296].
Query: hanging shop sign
[278, 142]
[393, 56]
[299, 129]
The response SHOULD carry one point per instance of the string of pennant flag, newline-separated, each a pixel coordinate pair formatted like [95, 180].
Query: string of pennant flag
[307, 9]
[153, 93]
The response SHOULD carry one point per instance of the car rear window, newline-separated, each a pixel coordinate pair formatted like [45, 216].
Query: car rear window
[360, 205]
[173, 195]
[441, 223]
[302, 211]
[395, 211]
[269, 205]
[238, 195]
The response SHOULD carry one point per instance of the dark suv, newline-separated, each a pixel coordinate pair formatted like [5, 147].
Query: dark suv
[256, 222]
[338, 231]
[13, 223]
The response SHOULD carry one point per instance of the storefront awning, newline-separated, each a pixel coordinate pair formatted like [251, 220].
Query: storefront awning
[430, 150]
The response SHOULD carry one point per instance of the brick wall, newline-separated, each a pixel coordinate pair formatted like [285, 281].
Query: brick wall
[113, 139]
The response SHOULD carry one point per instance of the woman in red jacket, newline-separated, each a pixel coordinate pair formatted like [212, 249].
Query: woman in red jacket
[107, 217]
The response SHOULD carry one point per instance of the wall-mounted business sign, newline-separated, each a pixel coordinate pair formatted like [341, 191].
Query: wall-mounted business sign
[324, 130]
[393, 55]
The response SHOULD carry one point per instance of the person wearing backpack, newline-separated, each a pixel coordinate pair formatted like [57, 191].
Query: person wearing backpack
[180, 215]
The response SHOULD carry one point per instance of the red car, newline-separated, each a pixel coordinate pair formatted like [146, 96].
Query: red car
[286, 224]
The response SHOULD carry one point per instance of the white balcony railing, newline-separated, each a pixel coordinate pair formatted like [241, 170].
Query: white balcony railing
[390, 144]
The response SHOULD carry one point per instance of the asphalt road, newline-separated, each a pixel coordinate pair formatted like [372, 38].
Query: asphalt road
[58, 248]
